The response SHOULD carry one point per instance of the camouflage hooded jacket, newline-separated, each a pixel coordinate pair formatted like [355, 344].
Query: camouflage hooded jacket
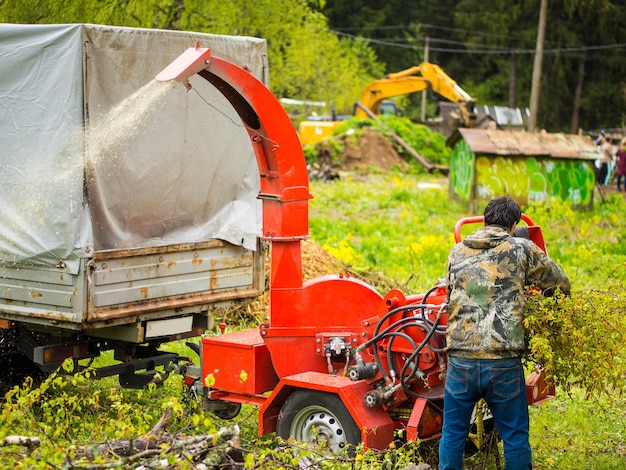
[487, 275]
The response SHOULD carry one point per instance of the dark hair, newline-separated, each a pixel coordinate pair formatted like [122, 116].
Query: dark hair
[503, 211]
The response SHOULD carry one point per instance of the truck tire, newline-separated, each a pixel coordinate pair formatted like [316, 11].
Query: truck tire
[15, 364]
[312, 416]
[15, 368]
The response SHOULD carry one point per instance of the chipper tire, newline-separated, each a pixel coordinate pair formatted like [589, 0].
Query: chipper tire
[228, 412]
[318, 417]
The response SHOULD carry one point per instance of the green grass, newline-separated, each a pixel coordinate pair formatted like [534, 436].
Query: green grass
[579, 433]
[392, 224]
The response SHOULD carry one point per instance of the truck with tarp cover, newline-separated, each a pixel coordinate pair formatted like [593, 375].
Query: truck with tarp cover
[119, 230]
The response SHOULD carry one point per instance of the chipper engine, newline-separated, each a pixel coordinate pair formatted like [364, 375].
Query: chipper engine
[336, 360]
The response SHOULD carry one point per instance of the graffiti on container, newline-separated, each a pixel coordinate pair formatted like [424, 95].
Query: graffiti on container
[462, 174]
[526, 179]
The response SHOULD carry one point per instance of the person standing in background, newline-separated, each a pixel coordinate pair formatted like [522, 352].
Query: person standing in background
[607, 158]
[621, 164]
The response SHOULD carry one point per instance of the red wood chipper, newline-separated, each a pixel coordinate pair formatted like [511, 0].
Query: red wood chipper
[337, 360]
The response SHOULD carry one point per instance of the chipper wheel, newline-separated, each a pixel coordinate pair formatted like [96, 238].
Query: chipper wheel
[230, 411]
[312, 416]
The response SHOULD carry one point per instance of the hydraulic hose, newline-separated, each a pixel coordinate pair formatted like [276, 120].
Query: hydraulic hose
[415, 353]
[392, 335]
[412, 324]
[421, 306]
[380, 335]
[393, 330]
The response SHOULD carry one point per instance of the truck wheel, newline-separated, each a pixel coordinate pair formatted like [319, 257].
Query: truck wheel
[311, 416]
[16, 367]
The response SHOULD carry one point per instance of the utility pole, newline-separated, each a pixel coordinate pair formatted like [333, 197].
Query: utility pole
[423, 115]
[536, 80]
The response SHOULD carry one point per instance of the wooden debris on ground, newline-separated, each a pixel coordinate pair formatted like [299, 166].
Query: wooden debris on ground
[159, 449]
[25, 441]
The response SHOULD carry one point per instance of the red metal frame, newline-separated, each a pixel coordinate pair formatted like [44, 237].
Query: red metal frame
[534, 231]
[377, 427]
[425, 422]
[538, 390]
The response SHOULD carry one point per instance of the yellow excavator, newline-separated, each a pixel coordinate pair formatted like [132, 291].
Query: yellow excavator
[425, 76]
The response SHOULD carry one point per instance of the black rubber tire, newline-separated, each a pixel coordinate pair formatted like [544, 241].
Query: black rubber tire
[312, 416]
[229, 412]
[15, 367]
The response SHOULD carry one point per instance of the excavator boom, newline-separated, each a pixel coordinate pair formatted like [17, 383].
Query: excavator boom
[443, 84]
[379, 90]
[417, 78]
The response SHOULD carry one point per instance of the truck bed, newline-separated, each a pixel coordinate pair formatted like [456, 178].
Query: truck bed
[134, 294]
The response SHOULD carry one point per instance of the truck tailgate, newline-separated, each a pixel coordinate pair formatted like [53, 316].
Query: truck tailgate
[121, 287]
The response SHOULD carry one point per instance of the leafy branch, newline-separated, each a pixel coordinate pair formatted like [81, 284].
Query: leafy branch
[579, 339]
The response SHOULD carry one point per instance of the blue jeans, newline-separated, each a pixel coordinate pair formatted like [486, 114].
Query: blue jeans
[501, 383]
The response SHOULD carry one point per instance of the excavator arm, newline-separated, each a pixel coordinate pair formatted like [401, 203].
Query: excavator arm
[414, 79]
[384, 88]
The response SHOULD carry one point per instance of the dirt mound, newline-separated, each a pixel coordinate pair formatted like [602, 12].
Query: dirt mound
[318, 262]
[371, 149]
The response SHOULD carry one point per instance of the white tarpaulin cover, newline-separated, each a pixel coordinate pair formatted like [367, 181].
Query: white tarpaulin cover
[95, 154]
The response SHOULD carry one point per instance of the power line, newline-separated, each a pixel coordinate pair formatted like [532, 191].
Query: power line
[395, 40]
[427, 26]
[484, 49]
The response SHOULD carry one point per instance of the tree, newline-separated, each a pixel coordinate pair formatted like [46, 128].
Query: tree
[307, 61]
[581, 35]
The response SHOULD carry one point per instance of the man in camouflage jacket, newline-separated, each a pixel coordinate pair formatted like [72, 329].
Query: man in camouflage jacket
[487, 276]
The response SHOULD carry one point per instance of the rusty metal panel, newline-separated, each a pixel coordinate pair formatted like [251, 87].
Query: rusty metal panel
[502, 142]
[478, 141]
[506, 143]
[34, 294]
[518, 143]
[147, 276]
[129, 286]
[572, 146]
